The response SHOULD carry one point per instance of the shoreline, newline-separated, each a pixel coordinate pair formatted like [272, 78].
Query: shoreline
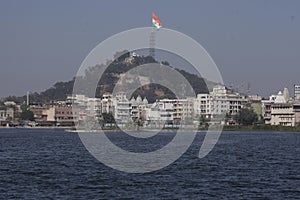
[225, 128]
[262, 128]
[36, 127]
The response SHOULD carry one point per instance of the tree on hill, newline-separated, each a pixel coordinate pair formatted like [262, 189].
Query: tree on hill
[165, 63]
[16, 99]
[121, 56]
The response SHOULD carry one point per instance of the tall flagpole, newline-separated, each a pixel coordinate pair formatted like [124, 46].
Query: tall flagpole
[156, 23]
[152, 44]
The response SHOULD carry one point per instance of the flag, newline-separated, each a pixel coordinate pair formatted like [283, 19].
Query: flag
[156, 22]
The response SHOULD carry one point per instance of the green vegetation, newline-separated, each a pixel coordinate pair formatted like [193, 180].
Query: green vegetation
[138, 122]
[27, 115]
[9, 118]
[58, 91]
[18, 100]
[108, 118]
[246, 117]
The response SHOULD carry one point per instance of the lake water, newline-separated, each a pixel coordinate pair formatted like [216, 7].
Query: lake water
[36, 164]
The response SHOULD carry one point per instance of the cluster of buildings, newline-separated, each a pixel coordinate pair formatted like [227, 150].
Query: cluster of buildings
[279, 109]
[163, 112]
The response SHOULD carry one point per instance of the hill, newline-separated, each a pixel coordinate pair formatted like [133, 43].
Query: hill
[111, 75]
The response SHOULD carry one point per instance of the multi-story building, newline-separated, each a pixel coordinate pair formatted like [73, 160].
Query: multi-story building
[93, 107]
[6, 115]
[138, 107]
[122, 109]
[267, 105]
[61, 115]
[170, 112]
[297, 92]
[203, 106]
[166, 110]
[218, 102]
[160, 113]
[183, 109]
[281, 110]
[296, 108]
[282, 114]
[107, 103]
[39, 114]
[64, 116]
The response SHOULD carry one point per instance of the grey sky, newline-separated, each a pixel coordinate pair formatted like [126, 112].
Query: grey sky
[42, 42]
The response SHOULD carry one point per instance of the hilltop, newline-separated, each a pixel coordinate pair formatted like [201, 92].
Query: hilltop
[111, 75]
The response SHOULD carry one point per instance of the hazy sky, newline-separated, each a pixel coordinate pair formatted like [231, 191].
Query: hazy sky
[42, 42]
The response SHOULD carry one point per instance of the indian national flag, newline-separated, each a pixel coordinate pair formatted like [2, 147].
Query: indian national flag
[156, 22]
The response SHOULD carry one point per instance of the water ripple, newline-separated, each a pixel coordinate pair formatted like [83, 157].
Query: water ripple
[36, 164]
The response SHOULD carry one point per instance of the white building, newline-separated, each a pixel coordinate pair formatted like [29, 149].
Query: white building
[297, 92]
[160, 113]
[165, 111]
[93, 107]
[281, 110]
[170, 112]
[138, 108]
[122, 109]
[280, 98]
[218, 102]
[282, 114]
[85, 106]
[6, 113]
[107, 103]
[183, 108]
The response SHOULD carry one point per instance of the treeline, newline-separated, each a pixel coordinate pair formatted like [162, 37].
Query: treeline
[58, 91]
